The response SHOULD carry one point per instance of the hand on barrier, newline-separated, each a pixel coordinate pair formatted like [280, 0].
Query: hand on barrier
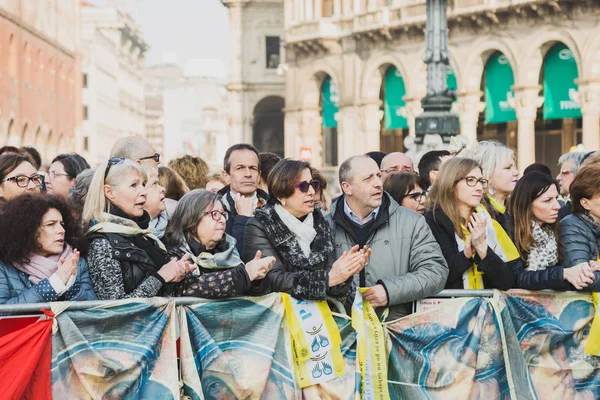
[477, 227]
[244, 206]
[175, 270]
[349, 263]
[68, 267]
[377, 296]
[259, 267]
[580, 276]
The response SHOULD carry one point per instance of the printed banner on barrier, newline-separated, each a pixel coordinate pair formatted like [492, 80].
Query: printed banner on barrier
[124, 350]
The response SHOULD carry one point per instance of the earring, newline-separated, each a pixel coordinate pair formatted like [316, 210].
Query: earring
[491, 191]
[283, 203]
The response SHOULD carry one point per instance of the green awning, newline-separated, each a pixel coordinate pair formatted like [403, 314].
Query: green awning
[499, 79]
[329, 103]
[394, 105]
[560, 90]
[451, 81]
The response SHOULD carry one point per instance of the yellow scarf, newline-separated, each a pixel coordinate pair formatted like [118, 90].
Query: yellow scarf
[501, 208]
[593, 344]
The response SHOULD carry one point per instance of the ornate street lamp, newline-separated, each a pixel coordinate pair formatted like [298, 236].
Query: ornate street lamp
[437, 117]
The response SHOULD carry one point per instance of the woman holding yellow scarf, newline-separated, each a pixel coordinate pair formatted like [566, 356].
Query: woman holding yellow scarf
[477, 249]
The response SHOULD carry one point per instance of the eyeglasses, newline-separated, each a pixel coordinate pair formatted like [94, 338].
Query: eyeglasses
[416, 196]
[398, 168]
[23, 180]
[154, 156]
[217, 214]
[472, 181]
[111, 162]
[304, 185]
[54, 174]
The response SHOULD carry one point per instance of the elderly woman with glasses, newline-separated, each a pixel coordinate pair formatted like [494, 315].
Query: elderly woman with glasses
[125, 259]
[478, 251]
[407, 189]
[197, 229]
[290, 229]
[17, 176]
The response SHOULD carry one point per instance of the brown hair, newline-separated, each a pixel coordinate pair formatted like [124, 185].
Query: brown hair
[399, 184]
[528, 189]
[284, 176]
[216, 177]
[442, 194]
[193, 170]
[593, 158]
[584, 186]
[9, 162]
[174, 185]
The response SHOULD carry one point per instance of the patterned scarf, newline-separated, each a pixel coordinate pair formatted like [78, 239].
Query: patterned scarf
[544, 251]
[39, 268]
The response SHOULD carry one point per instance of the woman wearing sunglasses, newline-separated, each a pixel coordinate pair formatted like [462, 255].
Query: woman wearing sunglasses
[478, 251]
[197, 228]
[125, 259]
[17, 176]
[290, 229]
[407, 189]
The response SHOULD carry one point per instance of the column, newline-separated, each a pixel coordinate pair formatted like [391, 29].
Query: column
[312, 135]
[337, 8]
[413, 110]
[469, 108]
[292, 128]
[318, 9]
[236, 27]
[527, 101]
[349, 132]
[371, 129]
[589, 99]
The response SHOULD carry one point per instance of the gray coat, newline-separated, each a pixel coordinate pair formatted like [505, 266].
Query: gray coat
[406, 258]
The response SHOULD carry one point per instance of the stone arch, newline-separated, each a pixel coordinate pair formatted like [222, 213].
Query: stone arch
[532, 56]
[312, 86]
[268, 123]
[24, 135]
[9, 130]
[471, 76]
[14, 135]
[372, 78]
[590, 65]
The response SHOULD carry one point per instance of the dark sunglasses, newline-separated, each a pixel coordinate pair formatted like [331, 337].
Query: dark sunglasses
[304, 185]
[111, 162]
[154, 156]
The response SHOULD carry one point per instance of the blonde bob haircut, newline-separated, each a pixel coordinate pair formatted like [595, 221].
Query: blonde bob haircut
[442, 196]
[491, 155]
[95, 203]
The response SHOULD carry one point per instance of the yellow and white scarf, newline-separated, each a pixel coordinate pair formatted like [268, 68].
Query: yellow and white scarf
[497, 239]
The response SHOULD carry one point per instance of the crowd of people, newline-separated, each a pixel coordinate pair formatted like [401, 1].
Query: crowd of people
[130, 228]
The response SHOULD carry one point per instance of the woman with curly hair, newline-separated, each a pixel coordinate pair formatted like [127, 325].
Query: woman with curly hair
[41, 265]
[193, 170]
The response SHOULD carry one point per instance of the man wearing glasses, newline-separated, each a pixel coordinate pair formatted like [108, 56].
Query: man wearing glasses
[241, 171]
[569, 164]
[136, 148]
[407, 263]
[395, 162]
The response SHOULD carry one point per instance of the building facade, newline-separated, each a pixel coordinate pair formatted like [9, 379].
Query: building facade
[113, 83]
[525, 73]
[40, 84]
[256, 80]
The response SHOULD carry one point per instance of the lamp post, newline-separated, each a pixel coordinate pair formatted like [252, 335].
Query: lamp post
[436, 117]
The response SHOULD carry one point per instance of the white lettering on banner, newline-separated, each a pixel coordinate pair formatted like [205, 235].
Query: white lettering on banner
[428, 304]
[505, 105]
[320, 365]
[569, 105]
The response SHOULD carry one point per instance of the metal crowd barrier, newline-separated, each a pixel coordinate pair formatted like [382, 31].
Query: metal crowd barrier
[186, 301]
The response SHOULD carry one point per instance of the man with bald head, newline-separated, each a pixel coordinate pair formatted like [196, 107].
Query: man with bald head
[407, 263]
[395, 162]
[136, 148]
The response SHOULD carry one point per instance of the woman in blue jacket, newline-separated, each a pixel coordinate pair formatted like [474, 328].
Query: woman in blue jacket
[580, 231]
[37, 262]
[534, 209]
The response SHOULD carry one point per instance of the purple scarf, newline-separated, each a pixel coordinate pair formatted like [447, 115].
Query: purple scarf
[40, 268]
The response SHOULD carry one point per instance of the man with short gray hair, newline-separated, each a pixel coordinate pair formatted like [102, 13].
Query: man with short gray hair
[407, 263]
[569, 164]
[396, 162]
[136, 148]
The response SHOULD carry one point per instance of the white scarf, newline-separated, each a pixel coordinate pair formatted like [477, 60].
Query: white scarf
[544, 251]
[303, 230]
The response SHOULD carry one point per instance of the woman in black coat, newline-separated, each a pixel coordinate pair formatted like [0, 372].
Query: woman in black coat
[290, 229]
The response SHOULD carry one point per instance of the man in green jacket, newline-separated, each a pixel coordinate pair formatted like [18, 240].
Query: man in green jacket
[407, 263]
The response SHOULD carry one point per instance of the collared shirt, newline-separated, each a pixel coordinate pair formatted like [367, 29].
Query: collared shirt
[355, 218]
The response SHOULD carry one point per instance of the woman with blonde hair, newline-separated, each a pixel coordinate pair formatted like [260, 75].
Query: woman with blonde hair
[499, 168]
[193, 170]
[125, 259]
[478, 251]
[175, 188]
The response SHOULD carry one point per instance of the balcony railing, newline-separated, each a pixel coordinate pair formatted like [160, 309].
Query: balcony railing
[398, 14]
